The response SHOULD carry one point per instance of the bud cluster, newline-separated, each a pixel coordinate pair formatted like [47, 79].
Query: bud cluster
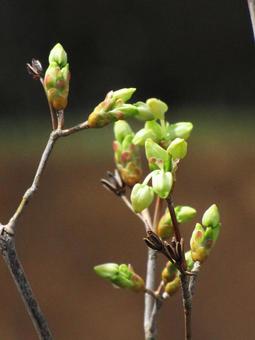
[115, 107]
[57, 77]
[126, 154]
[121, 276]
[205, 235]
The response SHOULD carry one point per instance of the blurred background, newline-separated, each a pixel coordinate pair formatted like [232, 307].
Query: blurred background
[198, 57]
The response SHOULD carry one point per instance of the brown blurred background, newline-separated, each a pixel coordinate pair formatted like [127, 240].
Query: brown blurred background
[197, 57]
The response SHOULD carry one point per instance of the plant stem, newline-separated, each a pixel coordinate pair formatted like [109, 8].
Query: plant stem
[174, 219]
[186, 295]
[251, 6]
[8, 251]
[187, 304]
[151, 306]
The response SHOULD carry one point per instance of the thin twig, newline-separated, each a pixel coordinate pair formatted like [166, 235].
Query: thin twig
[8, 250]
[10, 227]
[251, 6]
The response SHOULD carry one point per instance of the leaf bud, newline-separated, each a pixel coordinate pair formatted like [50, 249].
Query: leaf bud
[141, 197]
[162, 183]
[211, 217]
[122, 276]
[180, 130]
[157, 107]
[121, 130]
[169, 272]
[123, 94]
[178, 148]
[184, 213]
[157, 157]
[143, 112]
[189, 260]
[172, 287]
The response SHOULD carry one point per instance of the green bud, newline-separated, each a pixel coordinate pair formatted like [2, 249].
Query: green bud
[123, 94]
[162, 183]
[123, 111]
[141, 197]
[157, 107]
[56, 84]
[151, 130]
[107, 270]
[189, 260]
[169, 272]
[180, 130]
[141, 136]
[58, 55]
[144, 112]
[122, 276]
[184, 213]
[165, 227]
[211, 217]
[121, 130]
[202, 241]
[157, 157]
[178, 148]
[172, 287]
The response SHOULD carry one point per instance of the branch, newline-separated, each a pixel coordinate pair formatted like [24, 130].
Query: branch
[251, 6]
[8, 250]
[151, 306]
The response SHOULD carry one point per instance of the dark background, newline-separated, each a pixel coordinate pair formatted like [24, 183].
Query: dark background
[197, 56]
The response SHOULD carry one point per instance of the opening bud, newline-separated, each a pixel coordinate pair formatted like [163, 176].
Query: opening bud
[178, 148]
[211, 217]
[141, 197]
[58, 55]
[162, 183]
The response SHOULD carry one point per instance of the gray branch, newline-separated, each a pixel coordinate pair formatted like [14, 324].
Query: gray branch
[8, 250]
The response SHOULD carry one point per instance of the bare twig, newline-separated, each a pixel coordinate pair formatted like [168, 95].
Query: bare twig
[8, 250]
[251, 6]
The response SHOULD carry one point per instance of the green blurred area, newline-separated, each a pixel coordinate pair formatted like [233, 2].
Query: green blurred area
[212, 126]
